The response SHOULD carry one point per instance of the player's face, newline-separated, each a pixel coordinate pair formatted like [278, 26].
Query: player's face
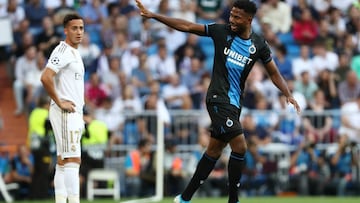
[239, 20]
[74, 32]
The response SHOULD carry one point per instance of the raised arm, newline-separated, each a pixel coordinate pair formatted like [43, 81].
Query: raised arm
[280, 83]
[176, 23]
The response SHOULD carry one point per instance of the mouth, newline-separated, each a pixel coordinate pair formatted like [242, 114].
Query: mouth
[233, 27]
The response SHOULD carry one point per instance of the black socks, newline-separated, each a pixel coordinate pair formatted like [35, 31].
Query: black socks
[203, 169]
[235, 167]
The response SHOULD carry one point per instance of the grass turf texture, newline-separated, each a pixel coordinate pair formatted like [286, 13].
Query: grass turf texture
[243, 200]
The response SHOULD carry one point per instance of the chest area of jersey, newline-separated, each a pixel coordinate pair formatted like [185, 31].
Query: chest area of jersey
[76, 67]
[239, 54]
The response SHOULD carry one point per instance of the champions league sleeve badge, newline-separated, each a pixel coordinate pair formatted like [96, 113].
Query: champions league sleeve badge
[55, 61]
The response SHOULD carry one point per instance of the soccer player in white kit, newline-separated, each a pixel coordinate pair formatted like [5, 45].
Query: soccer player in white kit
[63, 79]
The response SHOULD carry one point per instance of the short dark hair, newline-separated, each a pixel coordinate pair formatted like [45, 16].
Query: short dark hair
[69, 17]
[246, 5]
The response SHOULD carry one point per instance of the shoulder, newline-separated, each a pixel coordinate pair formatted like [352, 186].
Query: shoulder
[217, 29]
[258, 39]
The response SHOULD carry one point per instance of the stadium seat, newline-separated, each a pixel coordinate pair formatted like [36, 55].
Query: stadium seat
[107, 175]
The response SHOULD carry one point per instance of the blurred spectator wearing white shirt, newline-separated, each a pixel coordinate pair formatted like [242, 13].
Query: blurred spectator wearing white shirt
[130, 58]
[350, 119]
[32, 82]
[162, 65]
[303, 63]
[24, 65]
[277, 14]
[14, 11]
[324, 59]
[176, 95]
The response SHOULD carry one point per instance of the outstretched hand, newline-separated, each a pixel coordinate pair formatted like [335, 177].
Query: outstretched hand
[294, 103]
[143, 11]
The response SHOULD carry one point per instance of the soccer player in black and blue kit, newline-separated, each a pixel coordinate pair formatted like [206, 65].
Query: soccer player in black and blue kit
[237, 48]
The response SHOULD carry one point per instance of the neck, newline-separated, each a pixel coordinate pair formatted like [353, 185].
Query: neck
[71, 44]
[246, 34]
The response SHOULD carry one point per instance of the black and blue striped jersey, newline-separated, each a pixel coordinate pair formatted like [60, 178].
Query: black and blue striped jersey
[233, 60]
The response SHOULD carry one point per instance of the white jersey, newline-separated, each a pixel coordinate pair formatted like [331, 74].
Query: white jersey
[69, 80]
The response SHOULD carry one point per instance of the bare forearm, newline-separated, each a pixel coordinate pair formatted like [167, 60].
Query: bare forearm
[280, 83]
[176, 23]
[49, 86]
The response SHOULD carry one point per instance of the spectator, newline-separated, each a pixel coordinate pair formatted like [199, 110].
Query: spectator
[175, 168]
[306, 85]
[323, 58]
[176, 95]
[337, 23]
[14, 12]
[276, 13]
[208, 11]
[141, 76]
[21, 171]
[264, 119]
[304, 170]
[186, 51]
[350, 118]
[342, 162]
[162, 65]
[288, 130]
[330, 39]
[112, 77]
[24, 65]
[318, 125]
[130, 58]
[186, 9]
[139, 170]
[343, 68]
[193, 81]
[253, 178]
[94, 13]
[349, 89]
[155, 102]
[48, 38]
[298, 9]
[33, 86]
[35, 12]
[95, 91]
[303, 63]
[89, 52]
[131, 108]
[305, 30]
[328, 84]
[283, 62]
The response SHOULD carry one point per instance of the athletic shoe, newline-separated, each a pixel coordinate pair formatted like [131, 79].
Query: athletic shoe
[178, 199]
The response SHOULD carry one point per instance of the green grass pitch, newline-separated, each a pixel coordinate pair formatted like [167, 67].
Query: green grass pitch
[242, 200]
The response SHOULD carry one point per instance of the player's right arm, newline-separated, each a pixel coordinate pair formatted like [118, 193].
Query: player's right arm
[47, 79]
[175, 23]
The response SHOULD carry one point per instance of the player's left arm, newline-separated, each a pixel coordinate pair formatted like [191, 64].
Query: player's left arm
[280, 83]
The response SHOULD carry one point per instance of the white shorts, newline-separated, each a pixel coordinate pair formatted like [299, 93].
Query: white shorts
[68, 129]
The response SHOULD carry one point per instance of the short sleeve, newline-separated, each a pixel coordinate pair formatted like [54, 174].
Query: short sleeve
[265, 53]
[59, 58]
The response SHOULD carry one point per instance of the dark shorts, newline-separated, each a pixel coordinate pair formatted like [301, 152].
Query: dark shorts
[225, 121]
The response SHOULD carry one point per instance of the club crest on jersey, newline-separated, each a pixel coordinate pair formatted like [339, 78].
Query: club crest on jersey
[252, 49]
[55, 61]
[229, 122]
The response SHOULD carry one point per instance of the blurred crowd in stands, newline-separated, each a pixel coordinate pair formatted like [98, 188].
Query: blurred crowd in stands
[135, 65]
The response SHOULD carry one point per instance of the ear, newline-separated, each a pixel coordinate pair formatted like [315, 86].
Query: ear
[65, 31]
